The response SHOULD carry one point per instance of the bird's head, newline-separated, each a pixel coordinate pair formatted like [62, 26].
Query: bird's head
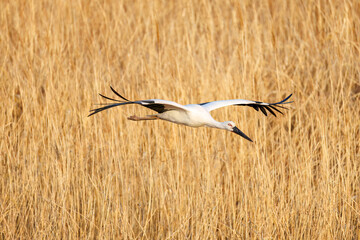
[230, 126]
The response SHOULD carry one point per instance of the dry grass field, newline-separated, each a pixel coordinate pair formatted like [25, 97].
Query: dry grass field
[67, 176]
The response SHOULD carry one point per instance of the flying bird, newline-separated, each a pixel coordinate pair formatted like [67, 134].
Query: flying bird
[192, 115]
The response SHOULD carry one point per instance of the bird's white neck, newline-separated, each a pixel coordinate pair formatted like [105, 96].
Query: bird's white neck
[216, 124]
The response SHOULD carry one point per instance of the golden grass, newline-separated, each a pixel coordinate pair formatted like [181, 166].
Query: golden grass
[66, 176]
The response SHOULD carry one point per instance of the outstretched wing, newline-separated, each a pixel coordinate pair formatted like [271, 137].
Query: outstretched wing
[157, 105]
[271, 107]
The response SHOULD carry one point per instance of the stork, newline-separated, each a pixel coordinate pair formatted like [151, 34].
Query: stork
[192, 115]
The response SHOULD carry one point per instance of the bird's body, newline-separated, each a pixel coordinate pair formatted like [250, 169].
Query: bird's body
[192, 115]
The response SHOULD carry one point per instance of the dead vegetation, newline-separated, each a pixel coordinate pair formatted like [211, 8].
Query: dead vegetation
[66, 176]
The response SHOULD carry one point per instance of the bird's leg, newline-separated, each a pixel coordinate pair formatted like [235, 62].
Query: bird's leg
[148, 117]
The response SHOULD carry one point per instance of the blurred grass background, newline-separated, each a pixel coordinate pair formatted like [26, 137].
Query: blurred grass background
[66, 176]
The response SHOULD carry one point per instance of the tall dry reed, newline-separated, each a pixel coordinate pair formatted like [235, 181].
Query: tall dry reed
[66, 176]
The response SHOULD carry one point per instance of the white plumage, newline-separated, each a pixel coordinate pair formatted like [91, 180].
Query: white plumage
[193, 115]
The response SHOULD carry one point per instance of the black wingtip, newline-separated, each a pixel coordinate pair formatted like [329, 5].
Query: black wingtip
[263, 110]
[110, 105]
[112, 99]
[97, 110]
[269, 109]
[284, 101]
[94, 111]
[112, 89]
[271, 106]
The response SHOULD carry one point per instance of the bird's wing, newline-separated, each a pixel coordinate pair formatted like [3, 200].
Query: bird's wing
[161, 106]
[157, 105]
[254, 104]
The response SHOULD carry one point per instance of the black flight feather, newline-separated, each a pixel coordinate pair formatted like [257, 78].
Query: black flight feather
[119, 94]
[109, 98]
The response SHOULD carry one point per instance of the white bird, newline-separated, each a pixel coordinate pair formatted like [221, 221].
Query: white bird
[192, 115]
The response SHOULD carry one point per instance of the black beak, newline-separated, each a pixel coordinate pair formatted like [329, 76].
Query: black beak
[237, 131]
